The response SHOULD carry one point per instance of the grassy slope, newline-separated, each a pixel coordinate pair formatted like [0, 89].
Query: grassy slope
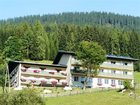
[97, 98]
[137, 76]
[41, 61]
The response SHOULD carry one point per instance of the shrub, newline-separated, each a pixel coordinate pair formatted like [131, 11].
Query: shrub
[127, 84]
[23, 97]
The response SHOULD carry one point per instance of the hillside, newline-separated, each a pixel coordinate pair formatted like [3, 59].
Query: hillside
[83, 18]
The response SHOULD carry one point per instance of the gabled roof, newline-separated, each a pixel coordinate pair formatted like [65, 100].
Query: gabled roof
[121, 58]
[59, 55]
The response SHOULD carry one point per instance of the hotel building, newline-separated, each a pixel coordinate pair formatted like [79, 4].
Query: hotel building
[66, 70]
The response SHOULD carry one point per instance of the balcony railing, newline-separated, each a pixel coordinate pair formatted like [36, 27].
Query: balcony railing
[41, 82]
[115, 75]
[115, 66]
[102, 74]
[44, 73]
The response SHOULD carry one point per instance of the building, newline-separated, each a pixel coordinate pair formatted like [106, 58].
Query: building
[66, 70]
[24, 74]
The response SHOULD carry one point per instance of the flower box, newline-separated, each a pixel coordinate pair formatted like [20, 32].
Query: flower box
[23, 69]
[26, 66]
[33, 81]
[99, 84]
[23, 80]
[54, 83]
[65, 74]
[51, 72]
[43, 82]
[36, 71]
[64, 83]
[113, 85]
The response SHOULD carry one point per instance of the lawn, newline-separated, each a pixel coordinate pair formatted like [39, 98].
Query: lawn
[98, 98]
[137, 76]
[95, 98]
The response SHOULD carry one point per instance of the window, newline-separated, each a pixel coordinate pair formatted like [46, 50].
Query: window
[124, 72]
[113, 71]
[125, 63]
[101, 71]
[120, 82]
[112, 82]
[106, 81]
[113, 62]
[76, 78]
[99, 81]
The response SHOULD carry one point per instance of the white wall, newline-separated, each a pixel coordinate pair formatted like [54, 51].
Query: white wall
[66, 59]
[129, 63]
[95, 82]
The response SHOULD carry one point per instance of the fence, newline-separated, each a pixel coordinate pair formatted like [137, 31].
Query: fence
[75, 92]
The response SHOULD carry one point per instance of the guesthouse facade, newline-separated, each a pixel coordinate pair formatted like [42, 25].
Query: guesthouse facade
[66, 70]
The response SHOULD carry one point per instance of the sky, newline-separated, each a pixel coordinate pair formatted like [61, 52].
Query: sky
[17, 8]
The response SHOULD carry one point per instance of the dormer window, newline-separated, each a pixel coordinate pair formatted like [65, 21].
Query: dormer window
[125, 63]
[113, 62]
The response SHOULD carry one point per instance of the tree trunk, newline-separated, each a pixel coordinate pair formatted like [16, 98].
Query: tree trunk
[86, 79]
[85, 83]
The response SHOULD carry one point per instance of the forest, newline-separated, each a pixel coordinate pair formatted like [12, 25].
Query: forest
[40, 37]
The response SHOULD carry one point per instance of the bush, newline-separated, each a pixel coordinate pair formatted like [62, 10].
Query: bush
[127, 85]
[24, 97]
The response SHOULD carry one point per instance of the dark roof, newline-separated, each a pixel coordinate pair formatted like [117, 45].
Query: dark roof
[121, 57]
[59, 55]
[61, 52]
[13, 64]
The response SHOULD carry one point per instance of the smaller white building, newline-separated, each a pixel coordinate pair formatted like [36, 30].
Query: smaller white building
[111, 73]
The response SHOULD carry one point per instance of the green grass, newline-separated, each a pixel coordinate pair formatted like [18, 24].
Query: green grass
[95, 98]
[98, 98]
[41, 61]
[137, 76]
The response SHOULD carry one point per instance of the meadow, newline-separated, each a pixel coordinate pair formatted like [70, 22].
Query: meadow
[111, 97]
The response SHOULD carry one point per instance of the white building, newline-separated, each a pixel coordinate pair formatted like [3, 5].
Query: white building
[66, 70]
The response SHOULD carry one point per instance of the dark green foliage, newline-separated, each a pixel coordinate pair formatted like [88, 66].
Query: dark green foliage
[91, 56]
[127, 84]
[24, 97]
[84, 18]
[12, 48]
[40, 37]
[2, 72]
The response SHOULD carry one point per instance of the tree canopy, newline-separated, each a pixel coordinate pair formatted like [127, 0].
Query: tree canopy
[40, 37]
[91, 55]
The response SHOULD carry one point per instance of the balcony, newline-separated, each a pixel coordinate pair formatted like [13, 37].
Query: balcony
[110, 75]
[115, 66]
[42, 81]
[78, 72]
[102, 74]
[44, 73]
